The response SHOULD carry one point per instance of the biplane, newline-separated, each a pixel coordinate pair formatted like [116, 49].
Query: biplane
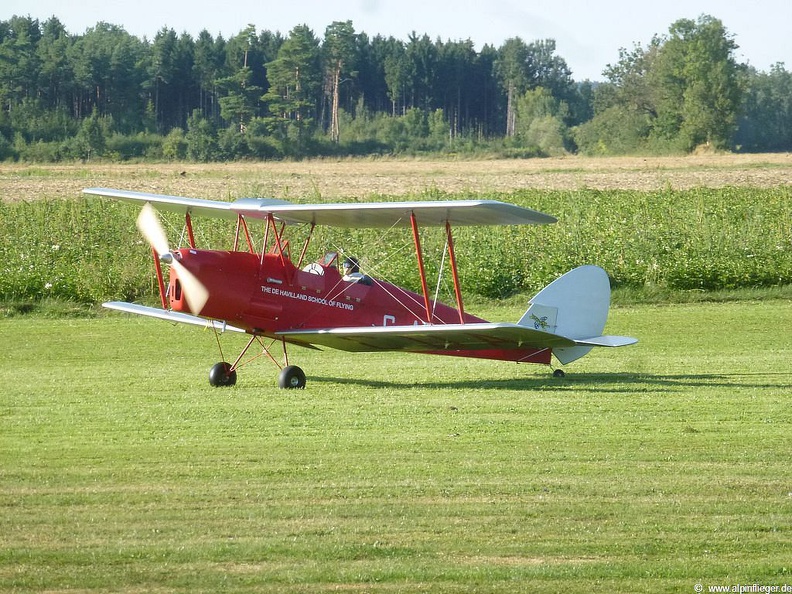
[279, 299]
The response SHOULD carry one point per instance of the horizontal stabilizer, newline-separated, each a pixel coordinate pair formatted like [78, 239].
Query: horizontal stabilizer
[584, 345]
[169, 316]
[607, 341]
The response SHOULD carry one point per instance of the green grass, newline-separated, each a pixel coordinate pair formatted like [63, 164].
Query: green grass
[648, 469]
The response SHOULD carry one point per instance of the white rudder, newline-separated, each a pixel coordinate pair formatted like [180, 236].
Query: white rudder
[575, 306]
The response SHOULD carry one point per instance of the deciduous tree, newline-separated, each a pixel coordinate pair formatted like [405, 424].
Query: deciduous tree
[697, 82]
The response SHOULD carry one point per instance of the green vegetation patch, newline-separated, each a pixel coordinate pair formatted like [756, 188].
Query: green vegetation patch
[87, 250]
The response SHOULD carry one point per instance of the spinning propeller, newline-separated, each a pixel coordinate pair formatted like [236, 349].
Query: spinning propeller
[149, 225]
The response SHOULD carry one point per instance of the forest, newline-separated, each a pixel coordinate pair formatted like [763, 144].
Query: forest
[108, 95]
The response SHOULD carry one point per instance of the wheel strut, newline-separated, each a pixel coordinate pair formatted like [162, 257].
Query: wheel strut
[225, 374]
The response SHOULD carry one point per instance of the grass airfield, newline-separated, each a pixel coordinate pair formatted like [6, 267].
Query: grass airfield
[651, 468]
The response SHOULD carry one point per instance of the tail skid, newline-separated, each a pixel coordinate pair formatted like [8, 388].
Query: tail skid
[575, 306]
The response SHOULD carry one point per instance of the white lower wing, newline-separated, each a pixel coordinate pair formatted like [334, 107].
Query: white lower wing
[451, 337]
[170, 316]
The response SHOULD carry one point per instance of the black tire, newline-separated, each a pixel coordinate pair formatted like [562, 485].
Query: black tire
[291, 378]
[221, 375]
[559, 373]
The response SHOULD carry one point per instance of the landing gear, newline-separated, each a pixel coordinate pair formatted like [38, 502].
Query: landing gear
[225, 374]
[221, 374]
[559, 373]
[291, 377]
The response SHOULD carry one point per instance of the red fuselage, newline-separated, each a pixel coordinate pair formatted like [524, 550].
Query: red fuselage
[269, 294]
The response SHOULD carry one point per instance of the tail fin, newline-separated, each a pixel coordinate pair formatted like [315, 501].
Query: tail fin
[575, 306]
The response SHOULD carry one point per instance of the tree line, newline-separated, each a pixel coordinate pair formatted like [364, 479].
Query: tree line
[108, 94]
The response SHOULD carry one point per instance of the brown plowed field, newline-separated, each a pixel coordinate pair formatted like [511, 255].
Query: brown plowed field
[356, 178]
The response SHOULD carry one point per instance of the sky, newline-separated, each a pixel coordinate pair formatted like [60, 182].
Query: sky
[588, 33]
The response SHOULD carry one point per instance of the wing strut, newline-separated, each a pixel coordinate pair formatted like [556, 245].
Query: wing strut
[160, 279]
[188, 224]
[305, 245]
[278, 236]
[457, 286]
[421, 269]
[242, 226]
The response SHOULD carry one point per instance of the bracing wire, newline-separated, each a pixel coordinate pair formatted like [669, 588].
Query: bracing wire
[439, 278]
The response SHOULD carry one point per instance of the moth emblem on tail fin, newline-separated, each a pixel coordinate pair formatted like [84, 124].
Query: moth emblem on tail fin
[540, 323]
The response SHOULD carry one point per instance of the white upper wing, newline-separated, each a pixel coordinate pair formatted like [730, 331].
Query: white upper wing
[352, 214]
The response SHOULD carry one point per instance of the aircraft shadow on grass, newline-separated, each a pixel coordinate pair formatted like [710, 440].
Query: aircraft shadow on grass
[627, 383]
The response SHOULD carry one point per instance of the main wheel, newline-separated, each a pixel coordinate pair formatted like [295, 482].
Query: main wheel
[559, 373]
[221, 374]
[291, 377]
